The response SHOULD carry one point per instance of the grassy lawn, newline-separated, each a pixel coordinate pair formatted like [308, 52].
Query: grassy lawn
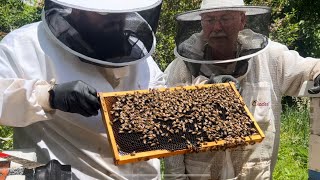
[293, 154]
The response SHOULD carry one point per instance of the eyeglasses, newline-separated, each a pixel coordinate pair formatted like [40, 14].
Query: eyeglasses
[223, 20]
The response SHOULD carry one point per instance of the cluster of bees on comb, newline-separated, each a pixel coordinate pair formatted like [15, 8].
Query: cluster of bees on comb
[180, 119]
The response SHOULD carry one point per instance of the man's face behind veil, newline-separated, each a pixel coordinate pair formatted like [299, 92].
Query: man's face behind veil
[104, 33]
[221, 28]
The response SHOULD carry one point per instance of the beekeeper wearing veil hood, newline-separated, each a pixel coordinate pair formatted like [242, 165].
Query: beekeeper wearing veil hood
[225, 41]
[50, 72]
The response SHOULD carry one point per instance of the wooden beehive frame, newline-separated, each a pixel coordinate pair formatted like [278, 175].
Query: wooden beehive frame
[139, 156]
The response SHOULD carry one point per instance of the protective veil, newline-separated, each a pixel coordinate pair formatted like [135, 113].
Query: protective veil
[266, 70]
[30, 58]
[102, 36]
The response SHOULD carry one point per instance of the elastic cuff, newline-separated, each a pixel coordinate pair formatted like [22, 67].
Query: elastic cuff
[42, 94]
[315, 76]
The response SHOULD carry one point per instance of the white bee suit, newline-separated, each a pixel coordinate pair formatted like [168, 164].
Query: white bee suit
[29, 59]
[270, 75]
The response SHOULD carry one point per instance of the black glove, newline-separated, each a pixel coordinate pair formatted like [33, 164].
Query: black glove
[223, 79]
[316, 84]
[75, 97]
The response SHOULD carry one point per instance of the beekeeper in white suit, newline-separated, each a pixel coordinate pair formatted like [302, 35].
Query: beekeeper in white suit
[50, 73]
[227, 41]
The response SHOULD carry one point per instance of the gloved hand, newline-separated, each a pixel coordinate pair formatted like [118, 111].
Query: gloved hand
[223, 79]
[316, 84]
[75, 97]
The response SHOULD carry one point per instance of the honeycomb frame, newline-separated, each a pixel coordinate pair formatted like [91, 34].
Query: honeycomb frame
[120, 158]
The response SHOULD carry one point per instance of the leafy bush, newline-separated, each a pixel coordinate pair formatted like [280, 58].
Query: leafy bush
[295, 24]
[15, 13]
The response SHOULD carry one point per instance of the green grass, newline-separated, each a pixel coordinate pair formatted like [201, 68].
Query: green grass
[293, 153]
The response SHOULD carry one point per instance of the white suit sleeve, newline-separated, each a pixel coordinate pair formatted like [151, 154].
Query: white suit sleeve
[23, 99]
[292, 69]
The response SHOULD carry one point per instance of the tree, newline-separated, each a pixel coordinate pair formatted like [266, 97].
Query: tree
[15, 13]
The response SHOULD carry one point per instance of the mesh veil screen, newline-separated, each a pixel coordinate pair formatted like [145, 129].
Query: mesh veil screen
[116, 39]
[257, 23]
[192, 41]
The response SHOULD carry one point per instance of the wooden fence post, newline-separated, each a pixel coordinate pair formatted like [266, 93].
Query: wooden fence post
[314, 139]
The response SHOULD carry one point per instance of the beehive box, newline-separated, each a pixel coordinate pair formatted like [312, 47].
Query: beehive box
[163, 122]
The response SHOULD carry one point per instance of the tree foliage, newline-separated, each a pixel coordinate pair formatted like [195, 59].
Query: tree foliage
[15, 13]
[295, 23]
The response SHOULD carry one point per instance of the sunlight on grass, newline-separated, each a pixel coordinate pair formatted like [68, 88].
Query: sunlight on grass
[293, 153]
